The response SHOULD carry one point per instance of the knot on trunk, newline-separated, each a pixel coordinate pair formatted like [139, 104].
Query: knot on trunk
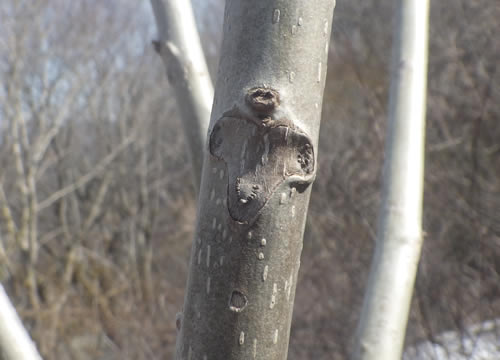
[260, 156]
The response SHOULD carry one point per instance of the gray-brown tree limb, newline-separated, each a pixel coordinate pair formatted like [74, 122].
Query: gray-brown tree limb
[386, 306]
[180, 49]
[15, 342]
[260, 162]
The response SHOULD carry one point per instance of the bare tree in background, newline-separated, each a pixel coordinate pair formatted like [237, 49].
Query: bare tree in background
[42, 89]
[86, 154]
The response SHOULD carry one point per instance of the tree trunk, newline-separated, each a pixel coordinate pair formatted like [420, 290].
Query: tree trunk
[15, 343]
[384, 317]
[258, 169]
[180, 48]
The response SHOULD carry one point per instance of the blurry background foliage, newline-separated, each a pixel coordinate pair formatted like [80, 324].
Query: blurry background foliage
[96, 202]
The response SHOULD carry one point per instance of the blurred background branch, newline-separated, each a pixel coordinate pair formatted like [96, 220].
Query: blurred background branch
[15, 343]
[179, 46]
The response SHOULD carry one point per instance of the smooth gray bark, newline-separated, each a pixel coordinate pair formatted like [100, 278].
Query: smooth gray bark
[15, 342]
[180, 49]
[386, 305]
[258, 168]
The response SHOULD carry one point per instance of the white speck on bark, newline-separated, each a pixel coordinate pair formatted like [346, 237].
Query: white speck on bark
[290, 282]
[273, 296]
[276, 16]
[208, 255]
[264, 158]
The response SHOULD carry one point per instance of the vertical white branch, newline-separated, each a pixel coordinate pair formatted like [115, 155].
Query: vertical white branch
[387, 300]
[15, 343]
[180, 48]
